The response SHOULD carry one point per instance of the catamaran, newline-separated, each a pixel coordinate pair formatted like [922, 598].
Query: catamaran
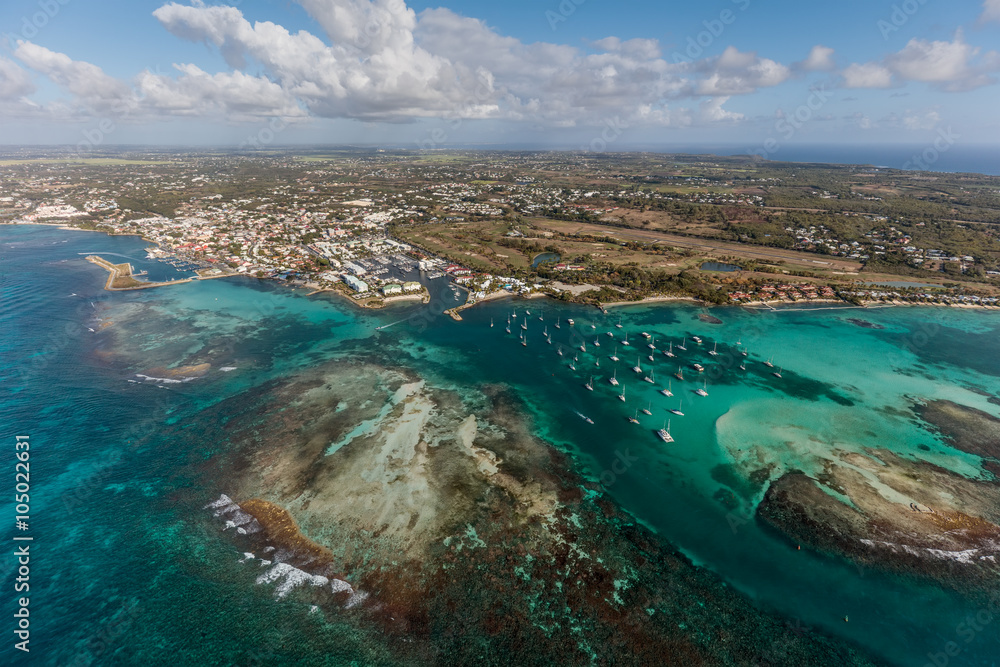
[614, 357]
[683, 345]
[715, 350]
[703, 391]
[590, 384]
[614, 378]
[647, 410]
[678, 410]
[664, 433]
[637, 368]
[650, 378]
[670, 352]
[667, 392]
[634, 418]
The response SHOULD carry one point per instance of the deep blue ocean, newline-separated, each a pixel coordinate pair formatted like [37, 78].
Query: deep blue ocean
[127, 569]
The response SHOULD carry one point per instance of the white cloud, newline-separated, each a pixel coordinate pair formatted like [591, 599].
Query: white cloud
[15, 83]
[869, 75]
[820, 59]
[739, 73]
[950, 66]
[711, 111]
[991, 11]
[921, 121]
[87, 82]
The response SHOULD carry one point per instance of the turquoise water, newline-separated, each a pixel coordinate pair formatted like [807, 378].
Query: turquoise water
[127, 567]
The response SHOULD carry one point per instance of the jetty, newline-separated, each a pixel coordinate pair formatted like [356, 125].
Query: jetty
[120, 276]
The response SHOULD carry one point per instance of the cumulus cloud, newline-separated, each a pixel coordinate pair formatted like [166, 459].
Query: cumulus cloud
[869, 75]
[711, 111]
[15, 83]
[820, 59]
[991, 11]
[739, 73]
[950, 66]
[86, 82]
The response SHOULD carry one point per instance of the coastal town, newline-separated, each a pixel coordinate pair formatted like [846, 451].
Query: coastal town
[377, 226]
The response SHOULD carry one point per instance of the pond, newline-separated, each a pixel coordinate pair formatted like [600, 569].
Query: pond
[719, 266]
[544, 258]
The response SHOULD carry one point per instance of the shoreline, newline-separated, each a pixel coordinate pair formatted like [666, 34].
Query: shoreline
[115, 273]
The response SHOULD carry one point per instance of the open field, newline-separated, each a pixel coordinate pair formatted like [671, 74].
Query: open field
[708, 246]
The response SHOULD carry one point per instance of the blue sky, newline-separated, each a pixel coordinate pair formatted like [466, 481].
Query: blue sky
[547, 73]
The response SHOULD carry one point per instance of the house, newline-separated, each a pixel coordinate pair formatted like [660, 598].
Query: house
[412, 286]
[392, 288]
[355, 284]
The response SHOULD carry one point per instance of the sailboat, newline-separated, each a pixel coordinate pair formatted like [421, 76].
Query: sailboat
[768, 362]
[559, 351]
[549, 340]
[625, 341]
[491, 323]
[669, 352]
[647, 410]
[634, 418]
[650, 357]
[614, 357]
[508, 324]
[597, 343]
[614, 378]
[514, 315]
[652, 344]
[703, 391]
[590, 384]
[650, 378]
[597, 362]
[678, 410]
[664, 433]
[527, 312]
[621, 396]
[619, 325]
[583, 347]
[743, 367]
[679, 374]
[637, 368]
[524, 325]
[778, 374]
[571, 366]
[541, 318]
[667, 392]
[715, 350]
[683, 345]
[745, 352]
[558, 326]
[610, 334]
